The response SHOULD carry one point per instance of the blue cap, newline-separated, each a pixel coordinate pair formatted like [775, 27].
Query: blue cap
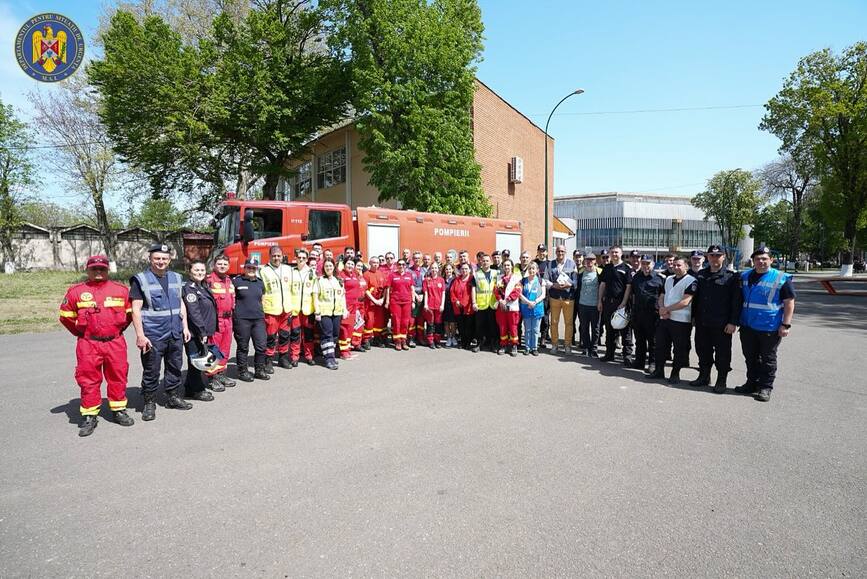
[159, 247]
[761, 250]
[697, 253]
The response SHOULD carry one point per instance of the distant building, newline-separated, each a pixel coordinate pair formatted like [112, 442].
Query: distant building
[333, 171]
[651, 224]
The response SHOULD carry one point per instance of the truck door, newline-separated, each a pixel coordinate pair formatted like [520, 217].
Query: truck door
[267, 224]
[510, 241]
[382, 238]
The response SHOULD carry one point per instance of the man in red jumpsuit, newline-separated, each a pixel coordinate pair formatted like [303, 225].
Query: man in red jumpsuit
[374, 315]
[354, 296]
[434, 303]
[398, 300]
[97, 312]
[223, 290]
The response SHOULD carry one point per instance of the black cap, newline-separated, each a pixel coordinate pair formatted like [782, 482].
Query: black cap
[696, 253]
[604, 253]
[495, 252]
[251, 263]
[647, 258]
[634, 253]
[542, 247]
[590, 255]
[160, 247]
[761, 250]
[715, 250]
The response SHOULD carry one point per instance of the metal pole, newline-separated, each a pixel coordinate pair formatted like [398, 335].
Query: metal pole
[547, 226]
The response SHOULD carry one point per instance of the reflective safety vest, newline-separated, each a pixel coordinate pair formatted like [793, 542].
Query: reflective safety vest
[296, 290]
[763, 308]
[485, 289]
[161, 313]
[329, 298]
[277, 298]
[308, 281]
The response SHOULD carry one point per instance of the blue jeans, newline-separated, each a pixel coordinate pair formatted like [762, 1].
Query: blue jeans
[531, 333]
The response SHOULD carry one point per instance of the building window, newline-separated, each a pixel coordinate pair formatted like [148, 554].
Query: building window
[301, 185]
[331, 169]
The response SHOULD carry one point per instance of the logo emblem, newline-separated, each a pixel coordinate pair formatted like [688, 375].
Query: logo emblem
[86, 296]
[49, 47]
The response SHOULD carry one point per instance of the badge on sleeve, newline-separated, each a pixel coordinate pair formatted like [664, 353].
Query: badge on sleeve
[191, 298]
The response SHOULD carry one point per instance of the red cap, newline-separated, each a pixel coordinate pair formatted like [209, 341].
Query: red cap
[96, 261]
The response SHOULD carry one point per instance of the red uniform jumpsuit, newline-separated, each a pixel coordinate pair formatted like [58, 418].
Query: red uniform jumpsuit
[416, 324]
[433, 316]
[224, 294]
[359, 332]
[374, 315]
[347, 324]
[462, 297]
[401, 290]
[98, 312]
[508, 317]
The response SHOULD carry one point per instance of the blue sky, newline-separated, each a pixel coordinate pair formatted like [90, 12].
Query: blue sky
[627, 55]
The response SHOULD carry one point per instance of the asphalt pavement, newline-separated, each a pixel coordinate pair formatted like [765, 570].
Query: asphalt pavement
[446, 463]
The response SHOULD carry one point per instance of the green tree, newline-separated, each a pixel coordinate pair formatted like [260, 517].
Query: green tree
[48, 214]
[822, 108]
[791, 179]
[16, 175]
[732, 199]
[774, 226]
[241, 100]
[158, 215]
[414, 71]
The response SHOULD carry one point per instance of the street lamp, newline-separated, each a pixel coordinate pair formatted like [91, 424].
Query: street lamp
[578, 91]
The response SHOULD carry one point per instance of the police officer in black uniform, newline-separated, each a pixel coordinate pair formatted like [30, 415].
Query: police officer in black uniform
[641, 295]
[613, 282]
[202, 321]
[249, 322]
[716, 310]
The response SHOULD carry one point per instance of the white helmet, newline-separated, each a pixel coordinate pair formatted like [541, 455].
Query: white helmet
[203, 362]
[619, 319]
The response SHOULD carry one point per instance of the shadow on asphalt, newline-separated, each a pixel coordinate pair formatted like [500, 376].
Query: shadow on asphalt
[818, 308]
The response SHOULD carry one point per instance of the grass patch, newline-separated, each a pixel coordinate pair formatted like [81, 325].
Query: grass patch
[30, 301]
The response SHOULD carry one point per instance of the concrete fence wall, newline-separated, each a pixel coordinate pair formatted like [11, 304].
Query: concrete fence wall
[68, 248]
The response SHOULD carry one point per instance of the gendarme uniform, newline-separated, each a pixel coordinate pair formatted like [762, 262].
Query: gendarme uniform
[202, 323]
[676, 329]
[760, 320]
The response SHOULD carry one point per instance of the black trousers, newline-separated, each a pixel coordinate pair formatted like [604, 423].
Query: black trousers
[196, 380]
[588, 326]
[486, 328]
[545, 325]
[643, 323]
[244, 330]
[329, 332]
[669, 332]
[714, 348]
[576, 337]
[760, 355]
[609, 306]
[170, 351]
[466, 329]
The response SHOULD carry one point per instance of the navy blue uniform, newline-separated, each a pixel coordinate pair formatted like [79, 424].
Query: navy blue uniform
[202, 323]
[249, 321]
[645, 292]
[717, 302]
[615, 278]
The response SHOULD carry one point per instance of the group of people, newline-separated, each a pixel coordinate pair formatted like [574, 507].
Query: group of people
[315, 304]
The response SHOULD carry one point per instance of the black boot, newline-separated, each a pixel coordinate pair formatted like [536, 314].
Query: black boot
[720, 386]
[365, 346]
[747, 388]
[122, 418]
[658, 372]
[87, 425]
[674, 378]
[262, 373]
[268, 368]
[201, 396]
[215, 384]
[176, 402]
[244, 375]
[150, 407]
[331, 364]
[284, 361]
[513, 351]
[703, 378]
[226, 381]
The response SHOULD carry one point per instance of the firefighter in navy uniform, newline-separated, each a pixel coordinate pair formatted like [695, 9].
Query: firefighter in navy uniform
[766, 318]
[202, 321]
[716, 310]
[641, 296]
[160, 321]
[249, 322]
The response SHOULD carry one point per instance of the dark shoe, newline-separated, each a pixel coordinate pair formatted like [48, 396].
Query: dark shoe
[437, 345]
[225, 380]
[534, 353]
[87, 425]
[656, 374]
[500, 351]
[674, 378]
[628, 362]
[310, 361]
[122, 418]
[201, 396]
[284, 361]
[593, 354]
[764, 395]
[178, 403]
[268, 368]
[747, 388]
[331, 364]
[294, 363]
[245, 376]
[608, 357]
[215, 385]
[261, 374]
[432, 346]
[525, 352]
[475, 349]
[411, 344]
[150, 408]
[365, 346]
[703, 378]
[513, 351]
[720, 386]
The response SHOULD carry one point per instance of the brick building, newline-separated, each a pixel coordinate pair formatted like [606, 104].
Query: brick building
[333, 171]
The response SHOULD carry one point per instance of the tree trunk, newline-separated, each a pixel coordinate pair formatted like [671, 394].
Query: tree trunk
[104, 227]
[849, 232]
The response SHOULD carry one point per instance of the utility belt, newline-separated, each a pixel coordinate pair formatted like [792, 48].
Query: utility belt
[102, 338]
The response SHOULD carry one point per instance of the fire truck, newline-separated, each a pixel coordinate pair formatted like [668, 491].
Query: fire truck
[246, 229]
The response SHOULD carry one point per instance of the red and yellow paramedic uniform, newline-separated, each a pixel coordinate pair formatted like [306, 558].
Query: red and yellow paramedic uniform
[307, 318]
[354, 296]
[97, 313]
[508, 289]
[434, 288]
[400, 294]
[358, 331]
[374, 315]
[276, 303]
[223, 291]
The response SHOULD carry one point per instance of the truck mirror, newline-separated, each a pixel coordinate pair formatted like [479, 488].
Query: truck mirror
[247, 235]
[305, 236]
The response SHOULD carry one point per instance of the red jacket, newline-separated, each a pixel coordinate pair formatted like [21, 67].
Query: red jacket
[433, 288]
[376, 281]
[354, 294]
[461, 295]
[224, 293]
[401, 288]
[96, 309]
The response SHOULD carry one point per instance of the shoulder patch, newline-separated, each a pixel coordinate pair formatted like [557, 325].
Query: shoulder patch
[191, 298]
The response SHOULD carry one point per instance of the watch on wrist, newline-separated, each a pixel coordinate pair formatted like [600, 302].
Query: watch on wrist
[787, 326]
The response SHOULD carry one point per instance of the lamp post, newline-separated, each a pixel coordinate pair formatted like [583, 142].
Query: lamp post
[578, 91]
